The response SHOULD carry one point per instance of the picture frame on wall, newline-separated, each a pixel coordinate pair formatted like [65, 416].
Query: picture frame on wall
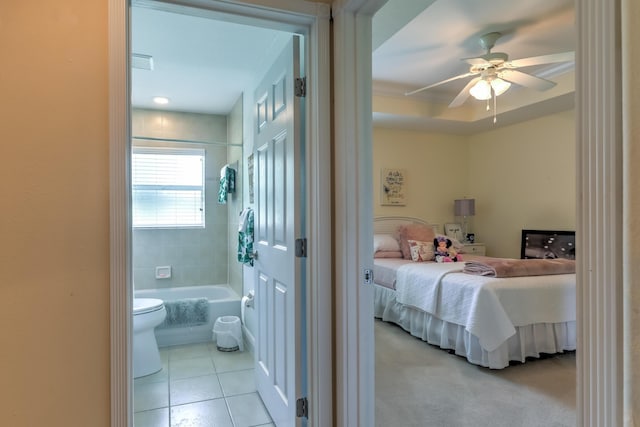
[548, 244]
[454, 231]
[393, 187]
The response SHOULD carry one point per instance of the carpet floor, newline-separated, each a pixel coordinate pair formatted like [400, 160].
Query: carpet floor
[418, 384]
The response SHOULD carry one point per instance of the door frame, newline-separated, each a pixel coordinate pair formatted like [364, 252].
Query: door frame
[604, 151]
[298, 16]
[601, 372]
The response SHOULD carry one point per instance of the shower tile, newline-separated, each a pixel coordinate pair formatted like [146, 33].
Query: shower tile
[237, 382]
[210, 413]
[195, 389]
[187, 368]
[232, 361]
[150, 396]
[248, 410]
[153, 418]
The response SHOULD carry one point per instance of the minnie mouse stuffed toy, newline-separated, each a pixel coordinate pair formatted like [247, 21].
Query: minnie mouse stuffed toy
[444, 250]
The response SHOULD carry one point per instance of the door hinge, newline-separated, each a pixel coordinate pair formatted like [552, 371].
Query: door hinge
[368, 276]
[301, 247]
[301, 87]
[302, 407]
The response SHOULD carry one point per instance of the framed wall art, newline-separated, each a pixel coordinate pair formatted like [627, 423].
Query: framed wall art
[393, 187]
[548, 244]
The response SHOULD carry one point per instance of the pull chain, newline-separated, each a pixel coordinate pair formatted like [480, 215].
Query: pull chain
[494, 108]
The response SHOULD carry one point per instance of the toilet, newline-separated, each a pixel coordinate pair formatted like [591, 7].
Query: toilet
[147, 314]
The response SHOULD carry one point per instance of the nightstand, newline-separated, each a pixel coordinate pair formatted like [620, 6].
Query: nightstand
[474, 249]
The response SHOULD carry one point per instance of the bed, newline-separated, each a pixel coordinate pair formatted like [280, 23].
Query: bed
[491, 321]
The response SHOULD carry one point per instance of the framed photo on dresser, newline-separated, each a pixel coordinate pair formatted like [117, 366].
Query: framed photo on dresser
[454, 231]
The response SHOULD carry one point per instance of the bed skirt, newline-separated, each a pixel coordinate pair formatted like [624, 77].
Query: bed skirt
[528, 341]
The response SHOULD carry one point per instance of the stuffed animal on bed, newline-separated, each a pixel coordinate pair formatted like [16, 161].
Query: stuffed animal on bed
[444, 251]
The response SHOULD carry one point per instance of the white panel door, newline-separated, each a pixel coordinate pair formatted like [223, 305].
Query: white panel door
[279, 210]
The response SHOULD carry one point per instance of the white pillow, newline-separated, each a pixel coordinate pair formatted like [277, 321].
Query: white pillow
[385, 242]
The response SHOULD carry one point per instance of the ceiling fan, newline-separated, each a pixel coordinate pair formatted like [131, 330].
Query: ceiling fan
[495, 73]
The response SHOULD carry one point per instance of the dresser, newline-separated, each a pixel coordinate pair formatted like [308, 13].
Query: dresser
[474, 249]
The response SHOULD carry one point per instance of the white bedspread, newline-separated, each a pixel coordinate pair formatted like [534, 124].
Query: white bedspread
[489, 308]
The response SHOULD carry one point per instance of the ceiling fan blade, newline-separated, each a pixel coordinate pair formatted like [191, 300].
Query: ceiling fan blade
[461, 76]
[544, 59]
[477, 61]
[464, 94]
[526, 80]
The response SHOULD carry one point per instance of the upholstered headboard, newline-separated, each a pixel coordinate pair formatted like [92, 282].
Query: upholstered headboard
[389, 224]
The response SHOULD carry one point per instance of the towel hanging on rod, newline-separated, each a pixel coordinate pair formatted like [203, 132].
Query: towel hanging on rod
[245, 237]
[227, 183]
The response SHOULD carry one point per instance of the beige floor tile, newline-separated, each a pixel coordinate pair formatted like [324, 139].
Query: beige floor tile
[195, 389]
[150, 396]
[210, 413]
[153, 418]
[237, 382]
[232, 361]
[188, 351]
[187, 368]
[247, 410]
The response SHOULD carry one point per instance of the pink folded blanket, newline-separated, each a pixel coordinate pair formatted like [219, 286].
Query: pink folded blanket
[504, 267]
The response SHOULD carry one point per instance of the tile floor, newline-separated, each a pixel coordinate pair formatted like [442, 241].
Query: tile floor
[200, 386]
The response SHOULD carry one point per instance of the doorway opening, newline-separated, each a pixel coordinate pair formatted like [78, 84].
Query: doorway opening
[203, 66]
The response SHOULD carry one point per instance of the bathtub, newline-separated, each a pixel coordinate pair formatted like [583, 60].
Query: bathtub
[223, 301]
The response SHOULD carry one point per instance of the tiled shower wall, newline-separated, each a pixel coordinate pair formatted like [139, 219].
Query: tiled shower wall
[197, 256]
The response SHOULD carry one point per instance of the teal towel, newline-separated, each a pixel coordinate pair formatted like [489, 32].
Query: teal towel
[227, 183]
[245, 237]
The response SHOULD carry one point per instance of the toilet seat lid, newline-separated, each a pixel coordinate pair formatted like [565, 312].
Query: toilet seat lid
[146, 305]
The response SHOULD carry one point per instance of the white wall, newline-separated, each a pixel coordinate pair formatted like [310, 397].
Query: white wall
[235, 203]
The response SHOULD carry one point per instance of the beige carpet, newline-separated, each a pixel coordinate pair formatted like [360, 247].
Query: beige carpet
[421, 385]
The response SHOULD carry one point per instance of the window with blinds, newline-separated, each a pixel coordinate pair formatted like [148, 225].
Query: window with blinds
[167, 187]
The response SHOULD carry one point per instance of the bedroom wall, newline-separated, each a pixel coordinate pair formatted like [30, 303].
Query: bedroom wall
[436, 172]
[523, 176]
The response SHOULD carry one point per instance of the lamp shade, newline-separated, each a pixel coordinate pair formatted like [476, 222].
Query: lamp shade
[499, 86]
[481, 90]
[464, 207]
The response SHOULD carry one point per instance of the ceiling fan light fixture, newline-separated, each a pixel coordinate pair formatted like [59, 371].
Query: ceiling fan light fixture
[500, 86]
[481, 90]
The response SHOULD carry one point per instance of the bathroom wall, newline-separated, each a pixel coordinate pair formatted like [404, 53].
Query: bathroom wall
[235, 204]
[197, 256]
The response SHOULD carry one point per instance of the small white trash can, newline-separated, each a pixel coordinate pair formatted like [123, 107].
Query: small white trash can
[227, 333]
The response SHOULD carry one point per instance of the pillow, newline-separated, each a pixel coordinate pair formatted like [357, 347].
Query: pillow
[385, 242]
[420, 232]
[387, 254]
[421, 251]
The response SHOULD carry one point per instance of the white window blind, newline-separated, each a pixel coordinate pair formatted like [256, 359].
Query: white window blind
[168, 187]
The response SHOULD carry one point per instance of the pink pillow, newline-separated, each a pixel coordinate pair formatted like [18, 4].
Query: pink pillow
[420, 232]
[388, 254]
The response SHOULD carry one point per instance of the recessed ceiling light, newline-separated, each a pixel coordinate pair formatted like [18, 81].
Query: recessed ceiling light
[161, 100]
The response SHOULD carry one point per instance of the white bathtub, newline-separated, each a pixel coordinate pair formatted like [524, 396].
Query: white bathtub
[223, 301]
